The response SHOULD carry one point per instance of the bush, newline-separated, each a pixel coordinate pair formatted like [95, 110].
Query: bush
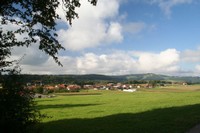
[49, 91]
[17, 110]
[39, 90]
[61, 91]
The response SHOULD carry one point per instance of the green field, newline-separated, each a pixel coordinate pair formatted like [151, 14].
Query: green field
[160, 110]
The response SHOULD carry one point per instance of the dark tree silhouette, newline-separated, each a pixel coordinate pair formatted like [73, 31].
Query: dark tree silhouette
[28, 14]
[35, 22]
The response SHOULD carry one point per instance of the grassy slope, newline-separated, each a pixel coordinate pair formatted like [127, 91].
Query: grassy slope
[169, 110]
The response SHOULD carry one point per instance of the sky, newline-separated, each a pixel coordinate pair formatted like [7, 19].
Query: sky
[119, 37]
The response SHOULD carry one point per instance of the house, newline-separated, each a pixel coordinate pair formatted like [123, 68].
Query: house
[31, 87]
[181, 83]
[127, 86]
[38, 83]
[143, 86]
[184, 83]
[118, 86]
[49, 87]
[73, 88]
[88, 87]
[110, 85]
[97, 87]
[28, 84]
[61, 86]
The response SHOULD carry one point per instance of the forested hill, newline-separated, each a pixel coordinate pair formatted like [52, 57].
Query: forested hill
[54, 79]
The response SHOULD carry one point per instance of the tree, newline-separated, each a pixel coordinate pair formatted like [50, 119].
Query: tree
[35, 22]
[17, 110]
[153, 83]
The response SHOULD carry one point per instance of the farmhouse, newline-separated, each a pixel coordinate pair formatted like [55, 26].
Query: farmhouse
[88, 87]
[184, 83]
[38, 83]
[118, 86]
[73, 87]
[144, 86]
[49, 87]
[31, 87]
[61, 86]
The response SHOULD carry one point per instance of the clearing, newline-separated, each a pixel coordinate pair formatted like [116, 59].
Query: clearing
[160, 110]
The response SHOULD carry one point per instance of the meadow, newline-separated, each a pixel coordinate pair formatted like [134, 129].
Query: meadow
[158, 110]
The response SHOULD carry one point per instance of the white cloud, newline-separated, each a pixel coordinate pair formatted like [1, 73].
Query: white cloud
[32, 55]
[197, 68]
[165, 61]
[167, 5]
[97, 26]
[192, 56]
[94, 27]
[115, 62]
[169, 61]
[114, 33]
[50, 67]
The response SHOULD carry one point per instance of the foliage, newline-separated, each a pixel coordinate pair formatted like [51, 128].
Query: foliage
[93, 79]
[153, 83]
[39, 90]
[35, 22]
[61, 90]
[17, 110]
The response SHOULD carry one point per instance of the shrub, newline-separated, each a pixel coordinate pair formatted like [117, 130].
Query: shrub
[17, 110]
[39, 90]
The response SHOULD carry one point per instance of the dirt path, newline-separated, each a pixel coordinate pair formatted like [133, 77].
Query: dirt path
[195, 129]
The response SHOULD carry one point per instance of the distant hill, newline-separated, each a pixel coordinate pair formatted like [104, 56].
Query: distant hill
[151, 76]
[105, 78]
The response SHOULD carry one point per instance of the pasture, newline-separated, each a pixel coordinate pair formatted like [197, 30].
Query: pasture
[159, 110]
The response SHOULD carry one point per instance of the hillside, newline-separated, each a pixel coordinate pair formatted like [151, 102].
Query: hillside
[105, 78]
[151, 76]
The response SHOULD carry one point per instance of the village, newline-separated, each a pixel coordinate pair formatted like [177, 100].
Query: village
[39, 87]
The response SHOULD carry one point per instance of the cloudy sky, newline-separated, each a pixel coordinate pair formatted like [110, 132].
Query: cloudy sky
[124, 37]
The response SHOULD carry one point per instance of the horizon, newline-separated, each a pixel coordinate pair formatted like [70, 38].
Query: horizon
[107, 75]
[131, 37]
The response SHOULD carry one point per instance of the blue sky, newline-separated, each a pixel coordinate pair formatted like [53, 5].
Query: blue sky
[125, 37]
[179, 30]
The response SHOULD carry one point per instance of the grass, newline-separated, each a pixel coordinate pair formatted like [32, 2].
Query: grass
[159, 110]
